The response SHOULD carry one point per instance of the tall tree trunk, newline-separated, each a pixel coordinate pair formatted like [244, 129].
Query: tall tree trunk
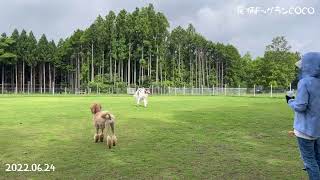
[92, 66]
[40, 78]
[203, 70]
[157, 65]
[199, 70]
[34, 79]
[115, 72]
[50, 80]
[161, 77]
[139, 74]
[78, 72]
[196, 68]
[23, 75]
[16, 73]
[179, 63]
[141, 66]
[2, 79]
[207, 71]
[135, 73]
[88, 63]
[142, 73]
[31, 79]
[122, 71]
[191, 69]
[110, 66]
[12, 78]
[54, 78]
[119, 69]
[44, 77]
[217, 73]
[129, 62]
[103, 62]
[149, 65]
[222, 75]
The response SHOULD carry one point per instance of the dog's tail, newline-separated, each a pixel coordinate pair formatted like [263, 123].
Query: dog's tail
[291, 133]
[110, 117]
[106, 115]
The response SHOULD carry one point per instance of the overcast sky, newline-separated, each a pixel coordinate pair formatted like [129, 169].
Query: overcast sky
[218, 20]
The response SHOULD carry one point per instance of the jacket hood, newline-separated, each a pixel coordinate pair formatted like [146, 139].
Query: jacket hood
[310, 65]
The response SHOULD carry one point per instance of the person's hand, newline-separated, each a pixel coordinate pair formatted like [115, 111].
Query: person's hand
[288, 98]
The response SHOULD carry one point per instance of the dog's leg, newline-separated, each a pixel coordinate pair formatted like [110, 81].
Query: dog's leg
[138, 101]
[101, 135]
[109, 140]
[145, 101]
[96, 136]
[114, 138]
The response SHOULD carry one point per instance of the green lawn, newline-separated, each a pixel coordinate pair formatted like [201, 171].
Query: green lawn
[199, 137]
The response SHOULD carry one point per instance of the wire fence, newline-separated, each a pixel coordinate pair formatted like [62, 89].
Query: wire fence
[215, 91]
[158, 90]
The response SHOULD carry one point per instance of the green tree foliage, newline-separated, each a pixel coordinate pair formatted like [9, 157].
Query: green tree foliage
[137, 49]
[276, 67]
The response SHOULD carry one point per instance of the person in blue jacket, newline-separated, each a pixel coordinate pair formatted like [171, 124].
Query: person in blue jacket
[307, 113]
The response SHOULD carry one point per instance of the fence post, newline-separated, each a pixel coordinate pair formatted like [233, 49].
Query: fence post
[254, 90]
[65, 90]
[239, 91]
[202, 90]
[175, 91]
[225, 89]
[271, 90]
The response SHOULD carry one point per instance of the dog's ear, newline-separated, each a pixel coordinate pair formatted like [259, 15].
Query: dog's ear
[95, 108]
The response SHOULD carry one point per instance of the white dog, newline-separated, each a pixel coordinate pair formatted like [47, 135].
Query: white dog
[142, 94]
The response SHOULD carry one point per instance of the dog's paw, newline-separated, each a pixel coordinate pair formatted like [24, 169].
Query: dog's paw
[96, 138]
[101, 137]
[109, 141]
[114, 140]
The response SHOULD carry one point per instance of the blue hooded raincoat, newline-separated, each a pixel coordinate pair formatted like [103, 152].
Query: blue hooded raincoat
[307, 102]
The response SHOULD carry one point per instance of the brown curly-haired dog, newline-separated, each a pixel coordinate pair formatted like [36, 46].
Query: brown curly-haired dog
[102, 120]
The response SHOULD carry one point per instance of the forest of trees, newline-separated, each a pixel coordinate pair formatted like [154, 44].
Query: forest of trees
[137, 49]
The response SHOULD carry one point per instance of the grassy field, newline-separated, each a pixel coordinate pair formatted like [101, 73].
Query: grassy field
[174, 138]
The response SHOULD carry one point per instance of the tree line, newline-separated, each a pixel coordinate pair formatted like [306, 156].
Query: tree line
[137, 49]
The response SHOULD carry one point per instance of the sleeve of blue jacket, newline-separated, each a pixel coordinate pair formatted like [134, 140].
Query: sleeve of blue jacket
[300, 104]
